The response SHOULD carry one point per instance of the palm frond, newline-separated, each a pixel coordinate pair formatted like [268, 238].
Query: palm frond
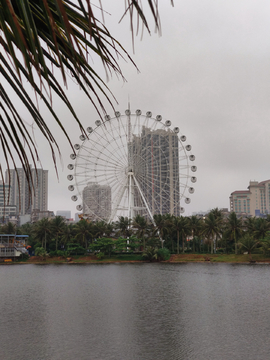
[36, 35]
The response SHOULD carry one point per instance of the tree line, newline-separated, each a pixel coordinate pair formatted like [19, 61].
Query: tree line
[213, 233]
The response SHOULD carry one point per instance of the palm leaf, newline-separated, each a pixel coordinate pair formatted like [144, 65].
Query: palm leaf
[36, 35]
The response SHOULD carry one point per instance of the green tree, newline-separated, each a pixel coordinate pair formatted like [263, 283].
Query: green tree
[42, 230]
[58, 225]
[141, 225]
[266, 244]
[185, 230]
[196, 228]
[212, 228]
[177, 225]
[82, 231]
[123, 226]
[40, 251]
[249, 225]
[109, 229]
[261, 228]
[105, 245]
[25, 229]
[100, 228]
[9, 228]
[234, 228]
[150, 253]
[248, 243]
[163, 224]
[67, 234]
[38, 35]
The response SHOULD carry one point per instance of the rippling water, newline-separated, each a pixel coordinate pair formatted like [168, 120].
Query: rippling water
[135, 311]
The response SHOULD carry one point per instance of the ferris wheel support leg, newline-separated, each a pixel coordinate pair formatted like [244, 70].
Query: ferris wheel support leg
[131, 195]
[147, 207]
[118, 202]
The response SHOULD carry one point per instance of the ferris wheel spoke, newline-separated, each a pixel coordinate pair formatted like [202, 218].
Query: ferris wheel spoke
[102, 149]
[104, 158]
[122, 149]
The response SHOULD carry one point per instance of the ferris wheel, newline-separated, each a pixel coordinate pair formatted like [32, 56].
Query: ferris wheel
[131, 164]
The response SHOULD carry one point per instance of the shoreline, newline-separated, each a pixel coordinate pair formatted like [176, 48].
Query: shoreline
[134, 262]
[255, 259]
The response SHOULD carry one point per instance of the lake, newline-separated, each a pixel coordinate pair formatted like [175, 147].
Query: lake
[135, 312]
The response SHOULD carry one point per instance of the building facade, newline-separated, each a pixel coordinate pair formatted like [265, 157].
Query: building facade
[255, 201]
[97, 201]
[6, 211]
[28, 197]
[155, 157]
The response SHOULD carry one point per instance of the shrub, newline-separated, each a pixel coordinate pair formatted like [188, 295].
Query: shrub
[40, 251]
[220, 251]
[150, 253]
[100, 255]
[164, 254]
[24, 256]
[60, 253]
[53, 253]
[75, 249]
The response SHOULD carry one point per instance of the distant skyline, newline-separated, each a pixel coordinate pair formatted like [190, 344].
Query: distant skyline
[209, 73]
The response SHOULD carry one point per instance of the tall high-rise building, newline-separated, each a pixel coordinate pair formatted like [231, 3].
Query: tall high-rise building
[6, 210]
[154, 159]
[97, 201]
[4, 193]
[25, 196]
[255, 201]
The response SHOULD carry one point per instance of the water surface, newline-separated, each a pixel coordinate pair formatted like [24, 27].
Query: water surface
[135, 311]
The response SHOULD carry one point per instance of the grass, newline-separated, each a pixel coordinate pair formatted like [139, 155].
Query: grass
[224, 258]
[214, 258]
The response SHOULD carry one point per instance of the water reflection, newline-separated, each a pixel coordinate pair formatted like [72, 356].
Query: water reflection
[135, 311]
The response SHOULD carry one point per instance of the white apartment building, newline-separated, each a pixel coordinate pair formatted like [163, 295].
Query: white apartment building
[28, 197]
[252, 202]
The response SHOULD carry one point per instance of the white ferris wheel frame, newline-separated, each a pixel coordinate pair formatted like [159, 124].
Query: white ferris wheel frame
[131, 183]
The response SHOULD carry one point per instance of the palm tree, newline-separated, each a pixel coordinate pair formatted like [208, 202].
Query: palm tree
[266, 244]
[261, 228]
[248, 242]
[219, 216]
[82, 230]
[162, 223]
[123, 225]
[141, 225]
[234, 228]
[249, 225]
[196, 227]
[58, 224]
[100, 228]
[109, 229]
[67, 234]
[42, 229]
[59, 34]
[212, 228]
[185, 230]
[25, 229]
[8, 228]
[177, 225]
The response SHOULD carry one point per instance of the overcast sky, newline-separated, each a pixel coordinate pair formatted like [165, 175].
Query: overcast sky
[209, 73]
